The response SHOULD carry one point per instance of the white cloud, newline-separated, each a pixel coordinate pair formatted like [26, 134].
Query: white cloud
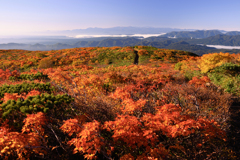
[120, 35]
[224, 47]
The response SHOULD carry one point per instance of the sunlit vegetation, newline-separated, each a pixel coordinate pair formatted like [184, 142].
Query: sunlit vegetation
[97, 103]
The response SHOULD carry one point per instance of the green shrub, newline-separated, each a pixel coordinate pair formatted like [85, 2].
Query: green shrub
[25, 87]
[46, 63]
[178, 66]
[30, 77]
[228, 68]
[41, 55]
[34, 104]
[227, 77]
[78, 62]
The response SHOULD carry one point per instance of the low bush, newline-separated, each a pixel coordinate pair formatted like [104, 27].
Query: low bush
[46, 63]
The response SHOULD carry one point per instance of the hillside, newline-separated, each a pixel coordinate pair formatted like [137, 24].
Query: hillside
[228, 40]
[233, 33]
[86, 56]
[193, 34]
[107, 103]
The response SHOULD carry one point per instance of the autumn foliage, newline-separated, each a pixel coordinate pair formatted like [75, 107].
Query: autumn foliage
[210, 61]
[95, 103]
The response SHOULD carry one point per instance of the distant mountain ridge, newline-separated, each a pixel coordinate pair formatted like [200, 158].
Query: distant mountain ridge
[115, 31]
[184, 40]
[167, 43]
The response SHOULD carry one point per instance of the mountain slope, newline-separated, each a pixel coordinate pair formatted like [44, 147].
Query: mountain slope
[193, 34]
[227, 40]
[233, 33]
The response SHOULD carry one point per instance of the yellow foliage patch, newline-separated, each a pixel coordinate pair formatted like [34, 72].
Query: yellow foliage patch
[210, 61]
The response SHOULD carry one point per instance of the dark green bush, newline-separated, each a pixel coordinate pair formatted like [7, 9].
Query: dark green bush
[228, 68]
[34, 104]
[25, 87]
[227, 77]
[31, 77]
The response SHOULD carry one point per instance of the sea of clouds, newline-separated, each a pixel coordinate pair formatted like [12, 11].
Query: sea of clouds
[119, 35]
[224, 47]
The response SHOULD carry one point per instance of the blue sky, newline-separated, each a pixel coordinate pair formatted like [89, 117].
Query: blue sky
[18, 17]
